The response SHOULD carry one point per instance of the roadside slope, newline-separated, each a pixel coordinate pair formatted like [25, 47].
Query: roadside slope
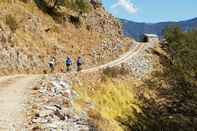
[29, 37]
[14, 91]
[136, 47]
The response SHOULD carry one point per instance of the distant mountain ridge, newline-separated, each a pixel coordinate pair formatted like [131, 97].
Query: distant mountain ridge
[135, 29]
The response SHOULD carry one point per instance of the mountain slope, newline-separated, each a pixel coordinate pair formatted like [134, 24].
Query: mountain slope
[135, 30]
[30, 36]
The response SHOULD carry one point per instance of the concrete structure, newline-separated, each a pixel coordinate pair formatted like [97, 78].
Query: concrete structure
[150, 38]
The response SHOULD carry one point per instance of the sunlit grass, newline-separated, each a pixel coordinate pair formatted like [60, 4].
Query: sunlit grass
[112, 100]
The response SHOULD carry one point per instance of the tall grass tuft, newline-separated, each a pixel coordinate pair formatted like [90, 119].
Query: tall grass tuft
[113, 101]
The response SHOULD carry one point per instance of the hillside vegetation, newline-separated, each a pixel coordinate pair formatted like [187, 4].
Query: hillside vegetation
[155, 90]
[183, 49]
[166, 100]
[31, 32]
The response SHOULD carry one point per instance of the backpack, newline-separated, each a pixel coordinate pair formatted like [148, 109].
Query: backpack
[69, 61]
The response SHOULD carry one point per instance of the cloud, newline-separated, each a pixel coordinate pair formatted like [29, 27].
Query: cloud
[125, 4]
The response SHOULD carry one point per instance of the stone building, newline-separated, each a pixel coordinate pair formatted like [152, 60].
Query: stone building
[150, 38]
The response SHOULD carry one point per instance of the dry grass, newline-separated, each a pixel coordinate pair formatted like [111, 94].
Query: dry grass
[37, 33]
[113, 100]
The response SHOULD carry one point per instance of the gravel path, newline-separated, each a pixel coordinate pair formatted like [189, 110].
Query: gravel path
[13, 95]
[14, 91]
[135, 49]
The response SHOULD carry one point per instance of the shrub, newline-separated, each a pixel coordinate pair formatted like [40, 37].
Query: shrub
[25, 1]
[182, 46]
[115, 71]
[78, 5]
[11, 22]
[83, 5]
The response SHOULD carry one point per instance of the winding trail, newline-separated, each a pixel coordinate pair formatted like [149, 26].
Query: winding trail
[135, 49]
[14, 92]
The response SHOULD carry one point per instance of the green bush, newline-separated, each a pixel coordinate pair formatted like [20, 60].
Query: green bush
[183, 49]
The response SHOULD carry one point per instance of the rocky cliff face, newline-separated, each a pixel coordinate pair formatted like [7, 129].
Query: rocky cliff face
[29, 37]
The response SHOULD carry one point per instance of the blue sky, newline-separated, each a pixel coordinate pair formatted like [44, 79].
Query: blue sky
[152, 10]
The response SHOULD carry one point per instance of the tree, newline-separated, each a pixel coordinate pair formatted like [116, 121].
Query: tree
[183, 49]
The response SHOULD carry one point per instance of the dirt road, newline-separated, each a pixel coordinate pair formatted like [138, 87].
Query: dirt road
[14, 92]
[135, 49]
